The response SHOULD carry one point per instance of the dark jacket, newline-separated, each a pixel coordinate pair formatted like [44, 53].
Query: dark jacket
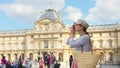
[57, 65]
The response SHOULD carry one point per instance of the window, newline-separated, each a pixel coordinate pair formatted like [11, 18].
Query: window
[22, 55]
[110, 43]
[31, 56]
[111, 56]
[60, 35]
[32, 36]
[101, 43]
[9, 57]
[110, 34]
[100, 34]
[45, 44]
[60, 57]
[15, 56]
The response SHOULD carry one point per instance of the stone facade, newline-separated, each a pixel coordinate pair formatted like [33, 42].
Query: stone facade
[50, 35]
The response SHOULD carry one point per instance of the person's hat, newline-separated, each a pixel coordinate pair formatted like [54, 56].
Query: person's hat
[82, 22]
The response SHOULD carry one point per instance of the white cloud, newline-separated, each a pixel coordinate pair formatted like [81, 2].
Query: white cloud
[29, 10]
[73, 13]
[105, 11]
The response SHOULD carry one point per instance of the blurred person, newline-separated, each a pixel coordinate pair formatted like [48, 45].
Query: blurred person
[57, 64]
[48, 61]
[52, 60]
[3, 62]
[70, 60]
[41, 63]
[83, 43]
[28, 63]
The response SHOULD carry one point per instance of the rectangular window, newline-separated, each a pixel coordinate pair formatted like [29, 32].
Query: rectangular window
[45, 44]
[110, 43]
[32, 36]
[100, 34]
[60, 35]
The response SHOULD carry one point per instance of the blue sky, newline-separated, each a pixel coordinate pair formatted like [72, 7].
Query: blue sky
[21, 14]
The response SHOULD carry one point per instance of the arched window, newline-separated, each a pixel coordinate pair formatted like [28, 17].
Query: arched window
[2, 55]
[60, 56]
[111, 56]
[31, 56]
[101, 59]
[15, 56]
[22, 55]
[9, 57]
[110, 43]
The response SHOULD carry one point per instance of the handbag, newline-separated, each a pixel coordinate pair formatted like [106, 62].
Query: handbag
[86, 59]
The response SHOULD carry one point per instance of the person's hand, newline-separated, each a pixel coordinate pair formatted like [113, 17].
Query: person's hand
[72, 32]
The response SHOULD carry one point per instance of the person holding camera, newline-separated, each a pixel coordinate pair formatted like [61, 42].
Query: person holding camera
[83, 43]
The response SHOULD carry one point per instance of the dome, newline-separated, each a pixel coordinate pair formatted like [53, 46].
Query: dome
[50, 14]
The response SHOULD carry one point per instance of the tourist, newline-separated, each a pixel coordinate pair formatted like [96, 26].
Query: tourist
[41, 63]
[52, 60]
[28, 63]
[20, 62]
[48, 61]
[3, 62]
[57, 64]
[45, 60]
[83, 43]
[70, 60]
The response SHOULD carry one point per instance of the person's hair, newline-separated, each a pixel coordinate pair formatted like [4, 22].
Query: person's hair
[40, 57]
[3, 57]
[84, 29]
[71, 56]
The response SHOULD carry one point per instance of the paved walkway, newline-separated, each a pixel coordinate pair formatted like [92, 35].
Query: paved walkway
[66, 65]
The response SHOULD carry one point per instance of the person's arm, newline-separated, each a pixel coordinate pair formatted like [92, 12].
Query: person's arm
[76, 43]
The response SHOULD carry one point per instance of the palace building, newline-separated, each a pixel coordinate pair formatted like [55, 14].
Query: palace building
[50, 35]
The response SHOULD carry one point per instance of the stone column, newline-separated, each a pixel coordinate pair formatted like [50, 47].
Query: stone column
[57, 56]
[6, 56]
[35, 44]
[12, 56]
[35, 55]
[42, 45]
[49, 44]
[25, 55]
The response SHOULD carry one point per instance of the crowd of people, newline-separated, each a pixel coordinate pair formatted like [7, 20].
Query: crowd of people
[7, 64]
[47, 61]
